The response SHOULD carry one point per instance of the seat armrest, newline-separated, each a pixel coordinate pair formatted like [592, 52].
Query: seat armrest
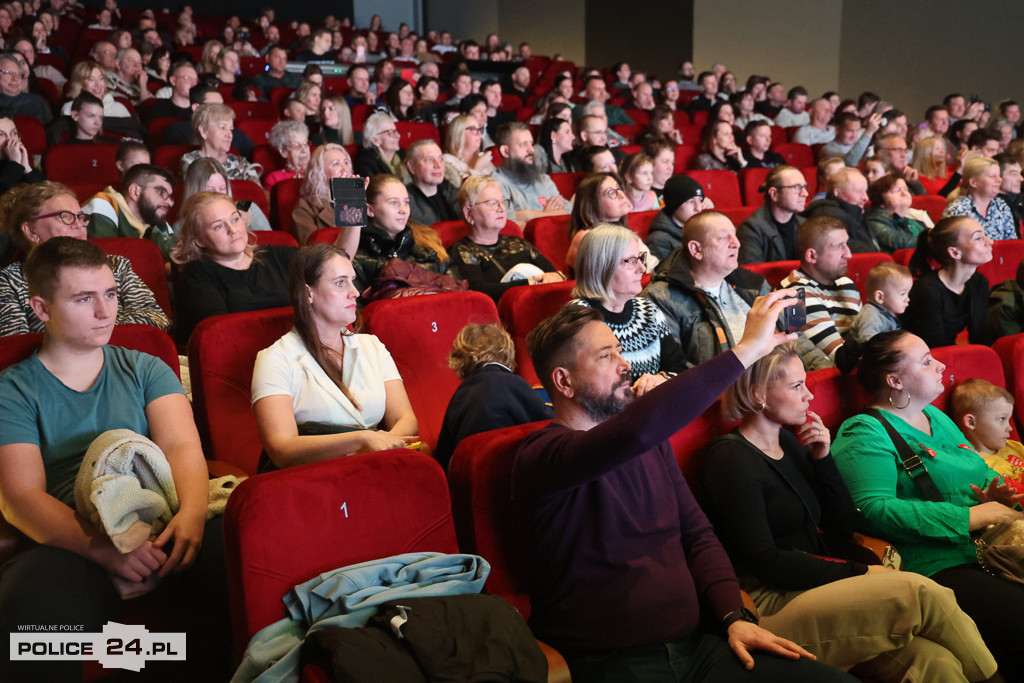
[871, 550]
[558, 669]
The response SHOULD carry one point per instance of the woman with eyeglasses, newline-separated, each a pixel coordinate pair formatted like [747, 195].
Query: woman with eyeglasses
[609, 278]
[32, 214]
[291, 140]
[222, 269]
[381, 152]
[490, 262]
[464, 155]
[600, 198]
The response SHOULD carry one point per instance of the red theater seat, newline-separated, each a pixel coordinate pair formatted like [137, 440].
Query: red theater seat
[566, 183]
[221, 353]
[286, 527]
[858, 267]
[418, 331]
[283, 198]
[1006, 258]
[1010, 350]
[751, 179]
[522, 308]
[966, 361]
[147, 262]
[721, 187]
[796, 154]
[550, 234]
[773, 271]
[71, 163]
[485, 523]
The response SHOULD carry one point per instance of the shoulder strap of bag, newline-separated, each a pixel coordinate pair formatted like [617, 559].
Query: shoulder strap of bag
[910, 460]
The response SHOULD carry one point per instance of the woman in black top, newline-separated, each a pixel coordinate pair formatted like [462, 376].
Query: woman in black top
[945, 301]
[486, 259]
[223, 271]
[771, 494]
[389, 234]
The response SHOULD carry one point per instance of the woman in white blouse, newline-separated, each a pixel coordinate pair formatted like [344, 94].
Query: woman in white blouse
[320, 391]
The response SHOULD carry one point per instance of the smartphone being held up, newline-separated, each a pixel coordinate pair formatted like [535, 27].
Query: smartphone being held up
[795, 317]
[349, 197]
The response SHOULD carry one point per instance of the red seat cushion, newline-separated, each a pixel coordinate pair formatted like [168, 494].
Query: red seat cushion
[550, 234]
[147, 262]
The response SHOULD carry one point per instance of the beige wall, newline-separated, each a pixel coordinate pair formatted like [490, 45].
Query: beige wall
[464, 19]
[560, 30]
[792, 41]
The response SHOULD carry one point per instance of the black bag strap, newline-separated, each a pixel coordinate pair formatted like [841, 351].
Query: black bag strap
[910, 460]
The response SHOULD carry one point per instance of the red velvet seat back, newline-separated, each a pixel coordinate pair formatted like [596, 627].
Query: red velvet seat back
[281, 238]
[522, 308]
[737, 214]
[931, 203]
[418, 331]
[147, 262]
[858, 267]
[242, 190]
[796, 154]
[773, 271]
[963, 362]
[640, 222]
[566, 183]
[284, 195]
[479, 477]
[836, 397]
[221, 354]
[69, 163]
[902, 256]
[257, 130]
[1010, 350]
[721, 187]
[685, 154]
[283, 528]
[751, 179]
[411, 131]
[550, 234]
[1006, 257]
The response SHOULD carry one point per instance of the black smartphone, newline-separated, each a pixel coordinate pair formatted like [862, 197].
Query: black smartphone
[795, 317]
[349, 196]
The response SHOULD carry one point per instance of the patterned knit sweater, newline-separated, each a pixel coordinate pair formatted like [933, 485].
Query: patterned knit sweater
[644, 335]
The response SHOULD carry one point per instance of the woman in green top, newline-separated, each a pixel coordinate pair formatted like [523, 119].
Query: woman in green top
[898, 370]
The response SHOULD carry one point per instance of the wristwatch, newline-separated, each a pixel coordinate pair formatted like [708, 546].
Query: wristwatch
[741, 614]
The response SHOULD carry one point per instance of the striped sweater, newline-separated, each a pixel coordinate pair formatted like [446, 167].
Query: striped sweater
[830, 312]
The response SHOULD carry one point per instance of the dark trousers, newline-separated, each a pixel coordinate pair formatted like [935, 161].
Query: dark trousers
[50, 586]
[700, 657]
[993, 604]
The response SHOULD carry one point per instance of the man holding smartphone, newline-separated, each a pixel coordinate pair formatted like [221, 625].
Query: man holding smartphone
[701, 289]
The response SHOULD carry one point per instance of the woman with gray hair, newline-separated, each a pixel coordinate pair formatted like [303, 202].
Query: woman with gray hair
[214, 123]
[291, 140]
[381, 152]
[609, 278]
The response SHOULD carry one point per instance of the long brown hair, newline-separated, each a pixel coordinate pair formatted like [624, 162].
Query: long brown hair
[305, 269]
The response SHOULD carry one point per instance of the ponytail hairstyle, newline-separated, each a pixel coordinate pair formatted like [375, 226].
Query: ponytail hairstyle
[933, 245]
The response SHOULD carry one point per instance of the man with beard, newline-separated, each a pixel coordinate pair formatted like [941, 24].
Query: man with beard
[833, 299]
[529, 192]
[140, 211]
[620, 553]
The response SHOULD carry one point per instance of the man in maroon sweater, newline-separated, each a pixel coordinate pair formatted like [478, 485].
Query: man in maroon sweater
[622, 555]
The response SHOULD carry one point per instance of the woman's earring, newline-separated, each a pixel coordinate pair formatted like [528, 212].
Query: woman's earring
[893, 404]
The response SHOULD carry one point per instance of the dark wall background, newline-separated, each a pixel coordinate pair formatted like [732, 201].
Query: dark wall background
[914, 54]
[654, 36]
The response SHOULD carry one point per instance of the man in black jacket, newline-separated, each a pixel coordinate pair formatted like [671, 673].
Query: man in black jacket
[432, 199]
[770, 233]
[846, 202]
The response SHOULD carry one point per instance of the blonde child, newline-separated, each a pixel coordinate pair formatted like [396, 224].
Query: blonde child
[984, 412]
[638, 172]
[888, 290]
